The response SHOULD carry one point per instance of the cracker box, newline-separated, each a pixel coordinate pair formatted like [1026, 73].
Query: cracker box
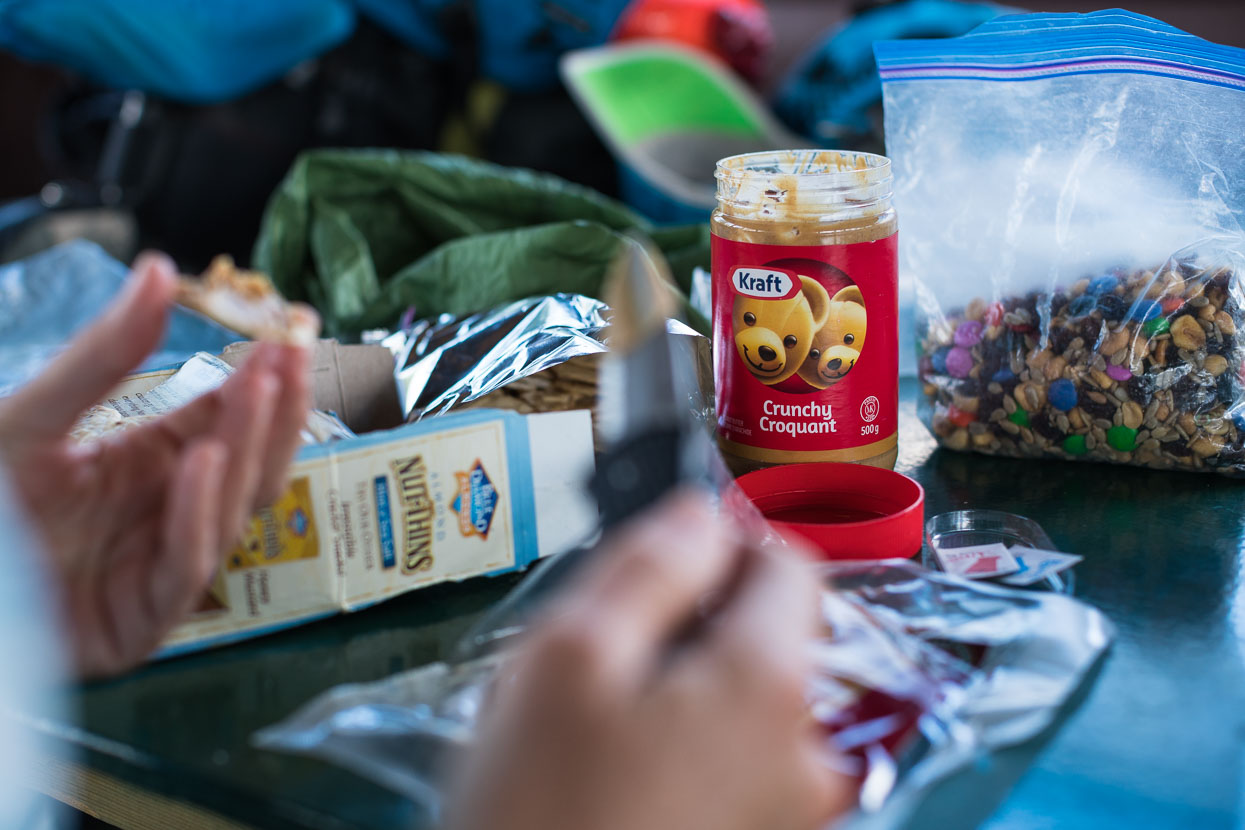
[388, 511]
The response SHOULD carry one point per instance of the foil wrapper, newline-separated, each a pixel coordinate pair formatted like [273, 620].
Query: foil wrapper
[918, 674]
[447, 361]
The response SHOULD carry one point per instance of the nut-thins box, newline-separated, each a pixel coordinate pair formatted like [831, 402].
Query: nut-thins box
[394, 509]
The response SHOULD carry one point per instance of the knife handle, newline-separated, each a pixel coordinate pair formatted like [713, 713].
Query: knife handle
[635, 474]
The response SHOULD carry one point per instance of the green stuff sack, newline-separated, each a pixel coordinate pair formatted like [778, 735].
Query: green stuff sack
[365, 234]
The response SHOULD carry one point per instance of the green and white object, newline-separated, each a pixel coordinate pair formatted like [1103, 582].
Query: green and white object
[669, 113]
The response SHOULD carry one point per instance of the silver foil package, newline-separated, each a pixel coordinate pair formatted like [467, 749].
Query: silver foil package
[447, 361]
[918, 673]
[451, 362]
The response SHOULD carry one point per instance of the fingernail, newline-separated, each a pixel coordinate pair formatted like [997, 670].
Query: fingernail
[154, 262]
[150, 269]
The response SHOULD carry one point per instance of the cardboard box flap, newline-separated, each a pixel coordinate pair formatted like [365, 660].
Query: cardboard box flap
[354, 381]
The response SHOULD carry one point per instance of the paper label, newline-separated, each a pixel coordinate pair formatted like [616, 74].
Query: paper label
[978, 561]
[197, 376]
[806, 354]
[1035, 564]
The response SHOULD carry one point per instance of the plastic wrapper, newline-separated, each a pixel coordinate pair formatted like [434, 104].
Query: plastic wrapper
[917, 674]
[1073, 229]
[199, 375]
[535, 355]
[46, 299]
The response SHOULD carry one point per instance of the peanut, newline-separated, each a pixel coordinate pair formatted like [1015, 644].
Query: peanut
[1216, 364]
[1187, 333]
[1225, 322]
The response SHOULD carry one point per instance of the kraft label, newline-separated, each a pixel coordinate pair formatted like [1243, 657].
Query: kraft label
[806, 348]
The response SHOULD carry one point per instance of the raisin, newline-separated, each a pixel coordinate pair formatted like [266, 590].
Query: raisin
[1141, 389]
[1090, 330]
[1229, 458]
[1041, 423]
[1112, 307]
[1060, 338]
[1095, 409]
[991, 362]
[1226, 388]
[1014, 344]
[1190, 395]
[1178, 448]
[969, 387]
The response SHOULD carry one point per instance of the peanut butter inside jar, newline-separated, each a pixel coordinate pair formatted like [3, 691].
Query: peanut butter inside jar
[803, 198]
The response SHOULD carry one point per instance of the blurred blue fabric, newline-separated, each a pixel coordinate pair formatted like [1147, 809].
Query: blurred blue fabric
[521, 40]
[202, 52]
[186, 50]
[832, 91]
[46, 299]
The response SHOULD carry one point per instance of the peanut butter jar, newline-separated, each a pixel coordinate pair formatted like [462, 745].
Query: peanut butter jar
[805, 309]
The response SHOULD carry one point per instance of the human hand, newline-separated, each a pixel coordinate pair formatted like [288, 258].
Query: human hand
[629, 710]
[136, 524]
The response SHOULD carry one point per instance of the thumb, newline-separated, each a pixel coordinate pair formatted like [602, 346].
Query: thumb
[101, 356]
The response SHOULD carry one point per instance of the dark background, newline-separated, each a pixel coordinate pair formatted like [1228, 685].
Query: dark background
[27, 91]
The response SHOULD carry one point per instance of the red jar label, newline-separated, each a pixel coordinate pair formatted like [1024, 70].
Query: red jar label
[806, 349]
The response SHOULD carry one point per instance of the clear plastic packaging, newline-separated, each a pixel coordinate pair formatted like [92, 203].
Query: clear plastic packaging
[962, 528]
[51, 296]
[1073, 229]
[919, 674]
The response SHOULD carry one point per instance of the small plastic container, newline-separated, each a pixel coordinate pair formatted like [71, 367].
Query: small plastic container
[965, 528]
[846, 511]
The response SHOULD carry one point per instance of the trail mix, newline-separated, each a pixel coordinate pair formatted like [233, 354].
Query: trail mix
[1137, 367]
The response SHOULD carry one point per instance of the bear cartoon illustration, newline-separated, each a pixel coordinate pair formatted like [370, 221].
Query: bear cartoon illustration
[837, 343]
[773, 336]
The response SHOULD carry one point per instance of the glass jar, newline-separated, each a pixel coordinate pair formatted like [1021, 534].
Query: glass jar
[805, 309]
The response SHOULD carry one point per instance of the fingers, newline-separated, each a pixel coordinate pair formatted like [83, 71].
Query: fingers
[292, 365]
[163, 568]
[832, 793]
[100, 357]
[757, 648]
[191, 546]
[644, 589]
[244, 427]
[772, 613]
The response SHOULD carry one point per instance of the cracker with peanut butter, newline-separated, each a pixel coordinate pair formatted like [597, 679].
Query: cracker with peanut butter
[248, 303]
[102, 420]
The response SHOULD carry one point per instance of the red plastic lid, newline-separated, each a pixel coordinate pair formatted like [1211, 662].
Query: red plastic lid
[847, 511]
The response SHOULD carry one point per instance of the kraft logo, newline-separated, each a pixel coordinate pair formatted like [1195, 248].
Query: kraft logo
[765, 283]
